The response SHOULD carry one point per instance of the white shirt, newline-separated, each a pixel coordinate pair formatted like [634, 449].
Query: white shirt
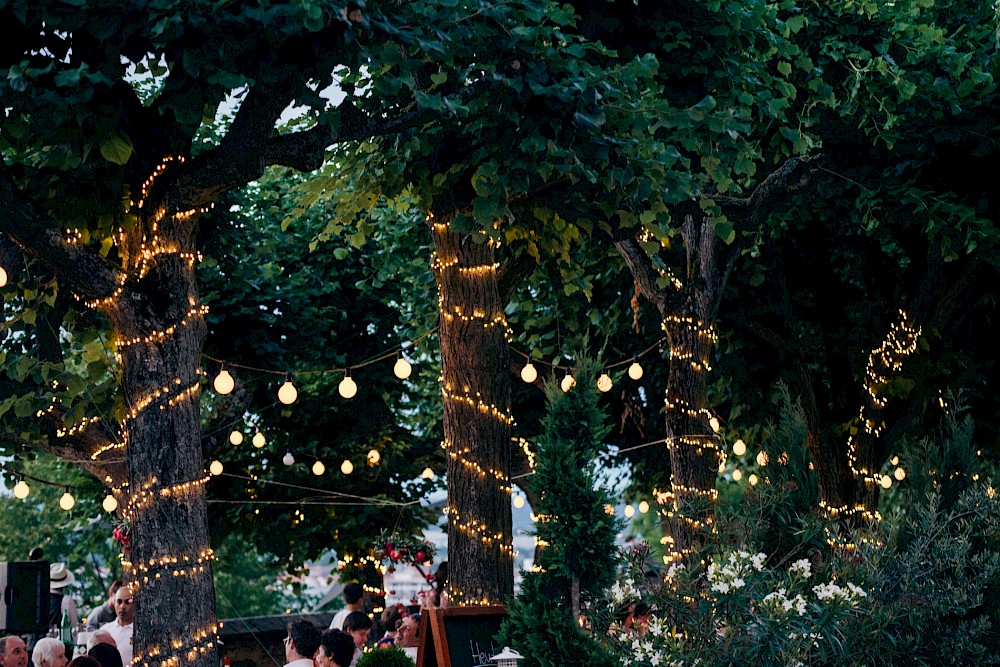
[301, 662]
[123, 639]
[338, 621]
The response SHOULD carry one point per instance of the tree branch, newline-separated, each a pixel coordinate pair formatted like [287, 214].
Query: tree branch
[643, 273]
[513, 272]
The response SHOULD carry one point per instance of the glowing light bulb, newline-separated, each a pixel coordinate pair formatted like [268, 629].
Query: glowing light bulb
[21, 490]
[886, 481]
[288, 459]
[318, 468]
[374, 457]
[215, 467]
[894, 460]
[753, 480]
[629, 511]
[288, 393]
[529, 374]
[427, 473]
[347, 467]
[635, 370]
[714, 423]
[224, 383]
[110, 503]
[643, 507]
[3, 277]
[67, 501]
[347, 387]
[402, 368]
[737, 475]
[762, 458]
[236, 438]
[259, 440]
[568, 382]
[518, 501]
[899, 474]
[739, 448]
[604, 383]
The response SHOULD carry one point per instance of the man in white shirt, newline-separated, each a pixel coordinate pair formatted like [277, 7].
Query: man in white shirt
[120, 629]
[354, 598]
[301, 643]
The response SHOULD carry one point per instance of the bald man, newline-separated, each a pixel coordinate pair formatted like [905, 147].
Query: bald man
[13, 652]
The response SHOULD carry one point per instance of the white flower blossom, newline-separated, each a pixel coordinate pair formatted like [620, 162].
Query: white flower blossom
[801, 567]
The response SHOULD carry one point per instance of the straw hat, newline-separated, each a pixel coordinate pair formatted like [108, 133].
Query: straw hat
[59, 576]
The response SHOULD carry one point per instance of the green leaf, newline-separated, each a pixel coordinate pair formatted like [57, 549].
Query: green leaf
[439, 77]
[116, 149]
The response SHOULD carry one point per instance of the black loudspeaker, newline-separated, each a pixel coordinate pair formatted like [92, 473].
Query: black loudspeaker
[25, 608]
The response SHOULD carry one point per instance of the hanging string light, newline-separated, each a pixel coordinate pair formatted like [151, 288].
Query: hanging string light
[899, 474]
[374, 457]
[427, 473]
[318, 468]
[67, 501]
[347, 388]
[110, 503]
[739, 447]
[259, 440]
[288, 459]
[288, 393]
[224, 383]
[604, 383]
[236, 437]
[215, 467]
[3, 277]
[529, 373]
[714, 423]
[568, 382]
[519, 501]
[402, 367]
[21, 489]
[643, 507]
[635, 370]
[347, 467]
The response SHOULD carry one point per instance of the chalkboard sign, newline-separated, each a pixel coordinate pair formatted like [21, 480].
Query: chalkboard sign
[459, 636]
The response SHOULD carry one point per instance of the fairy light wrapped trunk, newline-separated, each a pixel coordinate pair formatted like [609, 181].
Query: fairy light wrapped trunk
[477, 419]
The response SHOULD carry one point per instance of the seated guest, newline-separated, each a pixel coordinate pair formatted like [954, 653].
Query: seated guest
[301, 643]
[106, 655]
[49, 652]
[100, 637]
[391, 618]
[336, 649]
[13, 652]
[358, 625]
[408, 637]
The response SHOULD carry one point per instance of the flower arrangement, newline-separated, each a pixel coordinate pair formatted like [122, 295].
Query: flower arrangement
[122, 535]
[405, 551]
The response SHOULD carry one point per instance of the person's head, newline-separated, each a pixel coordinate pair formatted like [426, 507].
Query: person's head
[409, 631]
[358, 625]
[353, 594]
[335, 650]
[302, 640]
[124, 605]
[106, 655]
[49, 652]
[84, 661]
[392, 617]
[36, 553]
[59, 576]
[115, 585]
[13, 652]
[100, 637]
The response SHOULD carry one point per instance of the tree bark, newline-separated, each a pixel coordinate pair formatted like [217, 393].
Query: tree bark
[477, 420]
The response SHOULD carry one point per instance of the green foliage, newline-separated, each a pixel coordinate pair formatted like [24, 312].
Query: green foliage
[390, 656]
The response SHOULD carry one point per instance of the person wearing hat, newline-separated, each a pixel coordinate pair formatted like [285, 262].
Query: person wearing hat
[59, 578]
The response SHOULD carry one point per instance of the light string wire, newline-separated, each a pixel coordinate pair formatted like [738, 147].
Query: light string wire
[567, 367]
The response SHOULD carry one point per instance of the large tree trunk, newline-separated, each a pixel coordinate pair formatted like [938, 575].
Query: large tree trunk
[477, 418]
[159, 326]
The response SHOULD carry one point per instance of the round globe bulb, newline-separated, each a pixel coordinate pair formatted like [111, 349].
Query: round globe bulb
[67, 501]
[288, 393]
[347, 467]
[318, 468]
[110, 503]
[529, 373]
[762, 458]
[886, 481]
[737, 475]
[236, 438]
[739, 448]
[21, 490]
[427, 473]
[604, 383]
[259, 440]
[402, 368]
[635, 370]
[347, 387]
[899, 474]
[753, 480]
[714, 423]
[629, 511]
[224, 383]
[374, 457]
[643, 506]
[215, 467]
[519, 501]
[894, 460]
[3, 277]
[567, 383]
[288, 459]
